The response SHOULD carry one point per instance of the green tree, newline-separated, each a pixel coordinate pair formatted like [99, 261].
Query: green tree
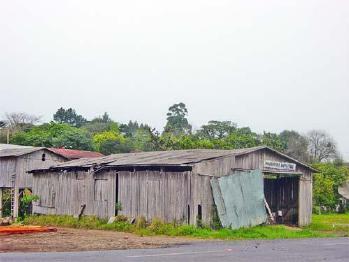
[109, 142]
[26, 202]
[132, 127]
[54, 135]
[98, 125]
[3, 131]
[69, 116]
[272, 140]
[241, 138]
[141, 140]
[105, 118]
[216, 129]
[326, 183]
[177, 122]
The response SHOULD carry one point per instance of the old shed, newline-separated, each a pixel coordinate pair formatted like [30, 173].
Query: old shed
[172, 185]
[16, 161]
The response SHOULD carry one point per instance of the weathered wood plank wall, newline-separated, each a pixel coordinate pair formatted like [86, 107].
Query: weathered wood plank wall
[20, 165]
[7, 168]
[215, 167]
[65, 193]
[170, 196]
[151, 193]
[305, 200]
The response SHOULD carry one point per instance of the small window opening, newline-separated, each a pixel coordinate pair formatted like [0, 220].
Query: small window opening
[43, 157]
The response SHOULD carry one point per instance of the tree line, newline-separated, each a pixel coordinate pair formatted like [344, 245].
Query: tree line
[69, 129]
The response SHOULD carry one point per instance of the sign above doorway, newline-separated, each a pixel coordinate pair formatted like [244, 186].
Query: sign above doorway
[282, 166]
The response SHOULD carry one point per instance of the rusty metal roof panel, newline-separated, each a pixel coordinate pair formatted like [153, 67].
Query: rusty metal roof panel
[75, 154]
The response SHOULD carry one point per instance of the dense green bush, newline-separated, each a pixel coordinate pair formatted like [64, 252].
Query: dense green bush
[326, 183]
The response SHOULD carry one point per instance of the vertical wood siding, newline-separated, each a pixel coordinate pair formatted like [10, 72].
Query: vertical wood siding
[305, 200]
[165, 195]
[7, 167]
[20, 165]
[216, 167]
[150, 193]
[65, 193]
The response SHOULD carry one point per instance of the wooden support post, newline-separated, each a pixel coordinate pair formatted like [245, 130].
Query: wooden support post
[8, 136]
[16, 203]
[0, 202]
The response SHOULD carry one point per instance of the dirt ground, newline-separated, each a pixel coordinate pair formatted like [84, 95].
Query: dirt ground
[66, 239]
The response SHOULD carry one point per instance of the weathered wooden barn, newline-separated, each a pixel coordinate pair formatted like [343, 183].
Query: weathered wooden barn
[16, 161]
[171, 185]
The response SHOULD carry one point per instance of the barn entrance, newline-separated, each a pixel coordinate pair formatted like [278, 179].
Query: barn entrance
[281, 193]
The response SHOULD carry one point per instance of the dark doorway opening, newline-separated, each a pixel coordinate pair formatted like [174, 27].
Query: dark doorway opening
[199, 212]
[281, 193]
[117, 203]
[199, 217]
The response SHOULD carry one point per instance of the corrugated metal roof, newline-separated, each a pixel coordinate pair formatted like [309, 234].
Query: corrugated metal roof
[11, 146]
[180, 157]
[174, 157]
[9, 150]
[15, 152]
[162, 158]
[75, 154]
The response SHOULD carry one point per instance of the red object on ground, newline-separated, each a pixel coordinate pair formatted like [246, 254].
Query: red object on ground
[75, 154]
[10, 230]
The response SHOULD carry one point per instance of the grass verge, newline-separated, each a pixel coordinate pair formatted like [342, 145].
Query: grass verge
[323, 226]
[335, 224]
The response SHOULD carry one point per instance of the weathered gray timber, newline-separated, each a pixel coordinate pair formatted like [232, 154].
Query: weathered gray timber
[15, 162]
[66, 193]
[170, 185]
[18, 162]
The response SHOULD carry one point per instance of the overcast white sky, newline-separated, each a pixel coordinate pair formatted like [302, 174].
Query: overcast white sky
[270, 65]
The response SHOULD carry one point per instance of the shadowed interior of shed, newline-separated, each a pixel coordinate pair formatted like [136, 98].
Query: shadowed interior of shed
[282, 194]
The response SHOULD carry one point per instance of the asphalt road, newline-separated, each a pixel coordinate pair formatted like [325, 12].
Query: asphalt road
[335, 249]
